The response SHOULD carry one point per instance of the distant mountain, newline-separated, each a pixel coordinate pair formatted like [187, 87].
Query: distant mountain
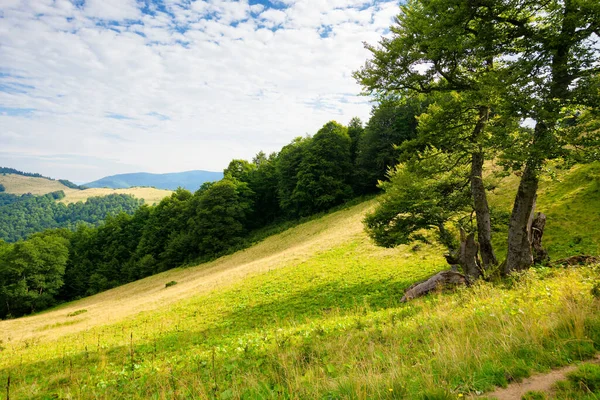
[190, 180]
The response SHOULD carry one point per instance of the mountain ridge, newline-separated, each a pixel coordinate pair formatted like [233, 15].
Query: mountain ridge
[190, 180]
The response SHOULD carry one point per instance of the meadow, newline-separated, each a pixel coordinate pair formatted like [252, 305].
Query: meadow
[314, 312]
[19, 184]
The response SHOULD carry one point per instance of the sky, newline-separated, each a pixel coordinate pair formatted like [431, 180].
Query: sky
[90, 88]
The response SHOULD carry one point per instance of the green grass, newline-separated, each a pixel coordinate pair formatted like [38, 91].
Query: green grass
[571, 201]
[583, 383]
[317, 316]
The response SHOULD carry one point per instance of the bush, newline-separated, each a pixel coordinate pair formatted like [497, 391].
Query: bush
[169, 284]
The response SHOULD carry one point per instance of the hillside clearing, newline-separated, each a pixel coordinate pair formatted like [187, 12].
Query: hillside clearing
[315, 312]
[150, 195]
[19, 184]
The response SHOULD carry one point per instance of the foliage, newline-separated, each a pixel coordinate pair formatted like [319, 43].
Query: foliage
[287, 168]
[2, 188]
[219, 217]
[420, 195]
[23, 215]
[392, 123]
[32, 273]
[6, 170]
[71, 185]
[325, 170]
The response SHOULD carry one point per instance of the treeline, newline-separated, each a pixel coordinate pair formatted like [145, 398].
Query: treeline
[23, 215]
[309, 175]
[6, 170]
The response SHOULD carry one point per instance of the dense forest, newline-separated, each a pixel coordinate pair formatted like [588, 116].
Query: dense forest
[23, 215]
[309, 175]
[456, 87]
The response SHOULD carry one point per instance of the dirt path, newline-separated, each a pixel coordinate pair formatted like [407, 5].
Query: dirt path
[540, 383]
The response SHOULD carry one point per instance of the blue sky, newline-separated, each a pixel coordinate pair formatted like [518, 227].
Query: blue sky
[90, 88]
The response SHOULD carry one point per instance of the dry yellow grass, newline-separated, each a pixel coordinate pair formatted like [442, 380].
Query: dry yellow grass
[288, 249]
[18, 184]
[150, 195]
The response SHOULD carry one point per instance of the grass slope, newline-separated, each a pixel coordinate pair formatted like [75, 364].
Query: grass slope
[150, 195]
[19, 184]
[313, 312]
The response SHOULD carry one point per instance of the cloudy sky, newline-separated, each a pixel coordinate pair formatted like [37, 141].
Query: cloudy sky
[90, 88]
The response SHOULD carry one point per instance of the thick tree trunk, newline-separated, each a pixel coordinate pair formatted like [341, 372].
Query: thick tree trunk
[520, 255]
[482, 212]
[469, 260]
[466, 258]
[540, 255]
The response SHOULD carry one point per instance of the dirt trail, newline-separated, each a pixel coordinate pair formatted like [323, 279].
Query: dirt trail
[540, 383]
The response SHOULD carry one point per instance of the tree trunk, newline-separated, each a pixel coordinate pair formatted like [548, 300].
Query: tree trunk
[482, 212]
[466, 258]
[480, 204]
[442, 279]
[519, 255]
[469, 260]
[540, 255]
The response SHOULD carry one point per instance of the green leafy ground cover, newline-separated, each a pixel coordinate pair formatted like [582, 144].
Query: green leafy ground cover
[330, 325]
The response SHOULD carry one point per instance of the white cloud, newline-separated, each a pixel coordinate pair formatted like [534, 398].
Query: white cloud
[273, 17]
[116, 10]
[224, 86]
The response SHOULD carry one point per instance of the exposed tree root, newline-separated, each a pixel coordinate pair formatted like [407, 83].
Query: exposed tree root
[438, 281]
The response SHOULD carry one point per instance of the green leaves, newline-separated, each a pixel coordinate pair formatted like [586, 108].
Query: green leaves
[32, 273]
[419, 196]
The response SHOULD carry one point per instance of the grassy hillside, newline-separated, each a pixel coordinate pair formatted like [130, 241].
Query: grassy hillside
[150, 195]
[19, 184]
[314, 312]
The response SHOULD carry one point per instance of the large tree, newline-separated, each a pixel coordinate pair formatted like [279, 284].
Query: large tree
[501, 57]
[554, 74]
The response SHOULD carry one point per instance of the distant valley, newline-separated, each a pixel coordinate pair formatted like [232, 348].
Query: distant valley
[190, 180]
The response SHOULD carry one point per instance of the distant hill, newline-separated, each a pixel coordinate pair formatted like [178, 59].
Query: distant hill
[11, 171]
[190, 180]
[20, 184]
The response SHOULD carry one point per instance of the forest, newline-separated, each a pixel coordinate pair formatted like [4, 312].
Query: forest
[456, 88]
[308, 176]
[22, 215]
